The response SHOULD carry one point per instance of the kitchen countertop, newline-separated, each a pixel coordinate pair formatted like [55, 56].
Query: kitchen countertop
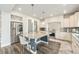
[36, 35]
[76, 36]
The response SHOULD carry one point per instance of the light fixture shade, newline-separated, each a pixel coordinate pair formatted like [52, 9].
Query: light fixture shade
[43, 23]
[19, 9]
[32, 4]
[43, 14]
[65, 11]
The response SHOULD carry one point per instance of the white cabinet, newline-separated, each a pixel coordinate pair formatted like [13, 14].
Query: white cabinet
[75, 45]
[72, 21]
[66, 22]
[63, 36]
[60, 35]
[76, 19]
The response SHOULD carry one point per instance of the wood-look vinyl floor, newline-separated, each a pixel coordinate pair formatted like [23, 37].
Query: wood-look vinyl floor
[53, 47]
[16, 48]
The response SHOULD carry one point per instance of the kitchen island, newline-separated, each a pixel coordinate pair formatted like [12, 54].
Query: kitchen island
[35, 38]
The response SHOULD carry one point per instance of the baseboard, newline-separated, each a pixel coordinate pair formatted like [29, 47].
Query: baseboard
[4, 45]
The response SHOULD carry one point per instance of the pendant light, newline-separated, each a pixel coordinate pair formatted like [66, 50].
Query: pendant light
[32, 9]
[43, 16]
[33, 20]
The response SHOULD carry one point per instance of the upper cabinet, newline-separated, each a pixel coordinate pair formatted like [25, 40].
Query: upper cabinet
[72, 20]
[66, 22]
[76, 19]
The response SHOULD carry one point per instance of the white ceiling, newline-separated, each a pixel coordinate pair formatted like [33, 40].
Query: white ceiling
[49, 9]
[6, 7]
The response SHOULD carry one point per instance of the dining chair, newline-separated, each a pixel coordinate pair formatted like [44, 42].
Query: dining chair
[23, 41]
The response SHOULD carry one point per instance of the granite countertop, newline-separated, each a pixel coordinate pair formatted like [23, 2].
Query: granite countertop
[36, 35]
[76, 36]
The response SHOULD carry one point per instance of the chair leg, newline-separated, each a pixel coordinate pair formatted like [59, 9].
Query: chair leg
[23, 49]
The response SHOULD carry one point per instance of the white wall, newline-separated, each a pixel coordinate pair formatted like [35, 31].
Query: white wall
[0, 29]
[5, 28]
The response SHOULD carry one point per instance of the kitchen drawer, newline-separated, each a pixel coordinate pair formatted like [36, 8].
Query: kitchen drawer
[75, 45]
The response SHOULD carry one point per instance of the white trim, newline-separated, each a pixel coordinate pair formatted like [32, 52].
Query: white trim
[4, 45]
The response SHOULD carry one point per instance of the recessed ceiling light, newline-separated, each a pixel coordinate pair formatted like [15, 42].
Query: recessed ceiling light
[65, 11]
[65, 4]
[19, 9]
[51, 14]
[41, 17]
[43, 23]
[34, 14]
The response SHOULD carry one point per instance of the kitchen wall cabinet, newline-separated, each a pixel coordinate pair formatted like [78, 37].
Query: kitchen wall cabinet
[76, 22]
[66, 22]
[0, 29]
[72, 21]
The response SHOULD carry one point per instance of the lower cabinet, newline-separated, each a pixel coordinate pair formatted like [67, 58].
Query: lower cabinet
[33, 44]
[44, 38]
[64, 36]
[75, 45]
